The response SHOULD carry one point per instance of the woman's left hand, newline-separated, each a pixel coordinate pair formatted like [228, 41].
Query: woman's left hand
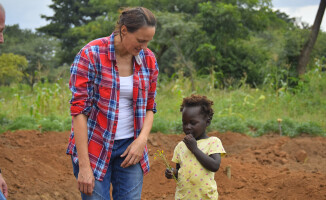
[134, 152]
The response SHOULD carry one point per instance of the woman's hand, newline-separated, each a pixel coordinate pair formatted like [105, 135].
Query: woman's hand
[86, 180]
[134, 152]
[190, 142]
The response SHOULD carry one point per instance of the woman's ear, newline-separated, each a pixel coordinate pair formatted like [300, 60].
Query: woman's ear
[123, 30]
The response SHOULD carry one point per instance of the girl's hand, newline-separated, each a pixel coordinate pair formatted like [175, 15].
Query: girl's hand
[86, 180]
[134, 152]
[169, 173]
[190, 142]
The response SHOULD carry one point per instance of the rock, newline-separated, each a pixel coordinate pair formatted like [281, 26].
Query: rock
[283, 161]
[301, 156]
[152, 141]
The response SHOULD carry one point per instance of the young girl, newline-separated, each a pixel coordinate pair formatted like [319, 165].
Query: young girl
[198, 156]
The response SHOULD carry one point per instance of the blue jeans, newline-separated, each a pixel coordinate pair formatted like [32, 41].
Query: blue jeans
[126, 182]
[2, 197]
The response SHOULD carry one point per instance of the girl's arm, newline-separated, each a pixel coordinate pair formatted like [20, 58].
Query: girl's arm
[211, 162]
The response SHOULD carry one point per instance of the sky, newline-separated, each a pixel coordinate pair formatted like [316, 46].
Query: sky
[27, 13]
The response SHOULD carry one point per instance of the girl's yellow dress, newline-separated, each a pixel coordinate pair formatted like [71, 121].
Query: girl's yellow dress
[194, 181]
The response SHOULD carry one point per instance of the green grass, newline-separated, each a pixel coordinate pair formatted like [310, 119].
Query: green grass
[251, 111]
[244, 110]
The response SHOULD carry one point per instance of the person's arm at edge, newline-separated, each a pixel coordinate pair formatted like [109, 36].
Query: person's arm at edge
[86, 180]
[3, 186]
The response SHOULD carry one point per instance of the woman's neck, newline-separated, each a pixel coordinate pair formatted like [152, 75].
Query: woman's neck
[119, 48]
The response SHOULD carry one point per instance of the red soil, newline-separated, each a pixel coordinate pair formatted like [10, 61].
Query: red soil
[35, 167]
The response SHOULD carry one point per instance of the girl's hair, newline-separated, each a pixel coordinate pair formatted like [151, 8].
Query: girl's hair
[134, 19]
[202, 101]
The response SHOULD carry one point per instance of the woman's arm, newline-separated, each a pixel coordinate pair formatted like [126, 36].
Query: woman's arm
[135, 150]
[86, 180]
[211, 162]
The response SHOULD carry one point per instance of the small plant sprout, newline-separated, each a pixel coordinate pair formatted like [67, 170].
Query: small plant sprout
[160, 154]
[279, 120]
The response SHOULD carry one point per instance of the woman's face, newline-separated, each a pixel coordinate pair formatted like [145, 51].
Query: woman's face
[138, 40]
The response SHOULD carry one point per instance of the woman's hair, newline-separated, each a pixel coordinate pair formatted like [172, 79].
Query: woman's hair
[134, 19]
[202, 101]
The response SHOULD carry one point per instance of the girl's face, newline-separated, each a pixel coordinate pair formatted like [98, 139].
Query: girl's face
[194, 122]
[138, 40]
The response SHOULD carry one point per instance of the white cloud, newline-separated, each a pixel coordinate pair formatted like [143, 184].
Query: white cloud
[305, 14]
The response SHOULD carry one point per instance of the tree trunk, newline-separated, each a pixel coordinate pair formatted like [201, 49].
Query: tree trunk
[305, 53]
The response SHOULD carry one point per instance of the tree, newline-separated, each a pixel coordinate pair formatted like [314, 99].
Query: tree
[67, 15]
[38, 49]
[11, 68]
[229, 25]
[305, 53]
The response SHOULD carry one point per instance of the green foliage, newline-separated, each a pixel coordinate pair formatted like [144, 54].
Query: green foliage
[11, 67]
[229, 123]
[251, 111]
[245, 110]
[23, 123]
[224, 35]
[69, 14]
[311, 128]
[167, 126]
[54, 123]
[38, 50]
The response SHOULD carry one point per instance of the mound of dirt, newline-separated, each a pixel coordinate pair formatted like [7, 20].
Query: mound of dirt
[35, 167]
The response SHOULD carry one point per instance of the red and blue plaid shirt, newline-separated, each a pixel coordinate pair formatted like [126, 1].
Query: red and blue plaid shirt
[95, 87]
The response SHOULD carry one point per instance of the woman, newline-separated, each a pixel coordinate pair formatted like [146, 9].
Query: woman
[113, 84]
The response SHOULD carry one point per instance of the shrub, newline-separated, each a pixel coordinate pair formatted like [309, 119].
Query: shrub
[23, 123]
[311, 128]
[230, 123]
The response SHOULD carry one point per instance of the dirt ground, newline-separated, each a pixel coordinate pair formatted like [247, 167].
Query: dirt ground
[35, 167]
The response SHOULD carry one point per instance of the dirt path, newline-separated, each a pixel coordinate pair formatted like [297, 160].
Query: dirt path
[270, 167]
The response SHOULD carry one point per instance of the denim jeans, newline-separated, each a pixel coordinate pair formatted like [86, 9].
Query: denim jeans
[2, 197]
[126, 182]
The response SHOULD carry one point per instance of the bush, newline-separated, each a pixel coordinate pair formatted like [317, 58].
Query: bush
[23, 123]
[167, 126]
[67, 124]
[230, 123]
[311, 128]
[50, 124]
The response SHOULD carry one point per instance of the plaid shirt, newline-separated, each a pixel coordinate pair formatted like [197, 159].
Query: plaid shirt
[95, 87]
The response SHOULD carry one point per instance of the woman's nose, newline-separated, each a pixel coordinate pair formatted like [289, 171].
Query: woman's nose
[144, 46]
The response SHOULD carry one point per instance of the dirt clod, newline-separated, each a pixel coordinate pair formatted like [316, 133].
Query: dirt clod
[301, 156]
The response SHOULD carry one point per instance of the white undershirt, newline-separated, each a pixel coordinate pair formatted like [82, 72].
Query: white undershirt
[125, 128]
